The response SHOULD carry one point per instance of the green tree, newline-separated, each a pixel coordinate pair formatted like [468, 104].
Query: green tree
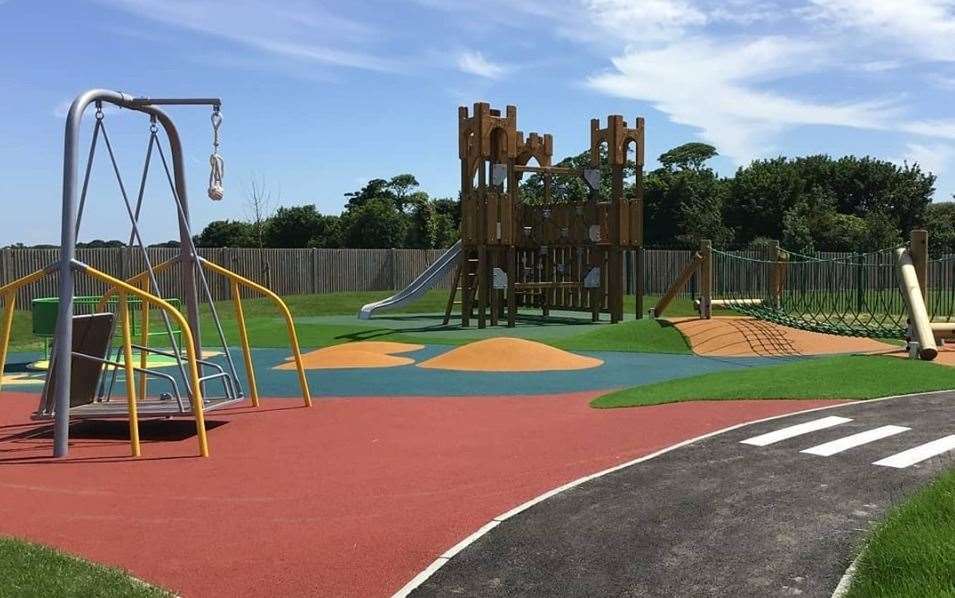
[939, 221]
[377, 223]
[295, 226]
[684, 199]
[689, 156]
[226, 233]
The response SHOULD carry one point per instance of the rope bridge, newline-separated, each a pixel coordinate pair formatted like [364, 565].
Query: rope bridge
[853, 295]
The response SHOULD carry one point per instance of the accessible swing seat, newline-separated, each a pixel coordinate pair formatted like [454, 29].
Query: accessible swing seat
[96, 365]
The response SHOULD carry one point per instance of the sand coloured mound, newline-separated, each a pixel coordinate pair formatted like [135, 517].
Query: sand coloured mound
[506, 354]
[744, 336]
[362, 354]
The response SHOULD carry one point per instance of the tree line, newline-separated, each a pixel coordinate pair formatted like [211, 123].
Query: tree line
[810, 203]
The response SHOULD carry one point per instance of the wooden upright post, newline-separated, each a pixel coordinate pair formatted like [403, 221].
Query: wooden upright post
[919, 244]
[639, 273]
[706, 279]
[772, 265]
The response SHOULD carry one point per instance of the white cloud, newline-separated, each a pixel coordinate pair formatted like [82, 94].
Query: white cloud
[287, 30]
[474, 63]
[644, 21]
[924, 27]
[932, 157]
[720, 88]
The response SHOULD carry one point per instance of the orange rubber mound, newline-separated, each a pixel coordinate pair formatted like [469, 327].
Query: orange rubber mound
[744, 336]
[362, 354]
[505, 354]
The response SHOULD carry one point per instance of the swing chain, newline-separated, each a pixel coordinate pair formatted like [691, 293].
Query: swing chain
[152, 124]
[216, 163]
[99, 110]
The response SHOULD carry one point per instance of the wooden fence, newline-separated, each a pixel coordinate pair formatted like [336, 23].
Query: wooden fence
[298, 271]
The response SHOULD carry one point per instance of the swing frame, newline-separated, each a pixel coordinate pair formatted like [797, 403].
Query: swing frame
[143, 286]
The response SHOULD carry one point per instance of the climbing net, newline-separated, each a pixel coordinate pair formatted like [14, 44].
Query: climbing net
[851, 294]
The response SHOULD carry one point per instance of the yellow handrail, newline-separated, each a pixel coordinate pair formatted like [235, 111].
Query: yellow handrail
[9, 302]
[244, 340]
[144, 341]
[197, 408]
[283, 309]
[132, 407]
[8, 293]
[142, 278]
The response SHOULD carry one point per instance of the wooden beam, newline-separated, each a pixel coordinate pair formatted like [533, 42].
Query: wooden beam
[681, 281]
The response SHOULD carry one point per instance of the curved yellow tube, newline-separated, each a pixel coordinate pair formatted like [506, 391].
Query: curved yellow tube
[132, 407]
[197, 408]
[283, 309]
[244, 341]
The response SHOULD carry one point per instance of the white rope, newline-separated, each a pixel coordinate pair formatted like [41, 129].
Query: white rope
[216, 164]
[216, 172]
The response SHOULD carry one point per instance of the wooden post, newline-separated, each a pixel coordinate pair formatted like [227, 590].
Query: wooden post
[772, 257]
[482, 286]
[685, 275]
[706, 279]
[511, 292]
[915, 301]
[919, 250]
[639, 272]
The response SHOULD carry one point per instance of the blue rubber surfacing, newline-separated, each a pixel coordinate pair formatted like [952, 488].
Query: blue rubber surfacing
[619, 370]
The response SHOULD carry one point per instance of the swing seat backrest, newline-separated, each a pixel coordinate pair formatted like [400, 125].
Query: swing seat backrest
[92, 334]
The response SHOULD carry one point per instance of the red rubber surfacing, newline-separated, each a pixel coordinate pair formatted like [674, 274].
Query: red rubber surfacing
[350, 498]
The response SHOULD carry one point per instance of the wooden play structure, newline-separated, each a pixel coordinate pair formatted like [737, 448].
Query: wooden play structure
[561, 252]
[882, 294]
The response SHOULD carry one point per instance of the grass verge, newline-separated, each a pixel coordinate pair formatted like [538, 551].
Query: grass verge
[841, 377]
[31, 570]
[267, 330]
[912, 553]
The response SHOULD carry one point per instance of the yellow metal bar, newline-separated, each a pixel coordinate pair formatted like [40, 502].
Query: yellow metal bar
[23, 281]
[144, 342]
[244, 340]
[9, 304]
[197, 410]
[286, 314]
[130, 375]
[141, 278]
[8, 293]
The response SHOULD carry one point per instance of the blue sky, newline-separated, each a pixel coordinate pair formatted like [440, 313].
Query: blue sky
[321, 96]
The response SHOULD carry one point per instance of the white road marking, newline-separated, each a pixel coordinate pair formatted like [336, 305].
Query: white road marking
[797, 430]
[919, 453]
[837, 446]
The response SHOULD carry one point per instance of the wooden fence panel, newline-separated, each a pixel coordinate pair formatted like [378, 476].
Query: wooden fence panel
[304, 271]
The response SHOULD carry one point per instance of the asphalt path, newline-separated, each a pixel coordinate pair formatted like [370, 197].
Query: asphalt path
[744, 513]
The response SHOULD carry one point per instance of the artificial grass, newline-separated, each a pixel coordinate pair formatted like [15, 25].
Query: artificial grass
[912, 553]
[30, 570]
[266, 329]
[841, 377]
[644, 336]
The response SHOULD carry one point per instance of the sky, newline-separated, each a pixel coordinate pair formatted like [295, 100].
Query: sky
[319, 97]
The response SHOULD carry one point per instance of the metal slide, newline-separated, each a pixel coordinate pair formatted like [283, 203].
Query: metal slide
[431, 276]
